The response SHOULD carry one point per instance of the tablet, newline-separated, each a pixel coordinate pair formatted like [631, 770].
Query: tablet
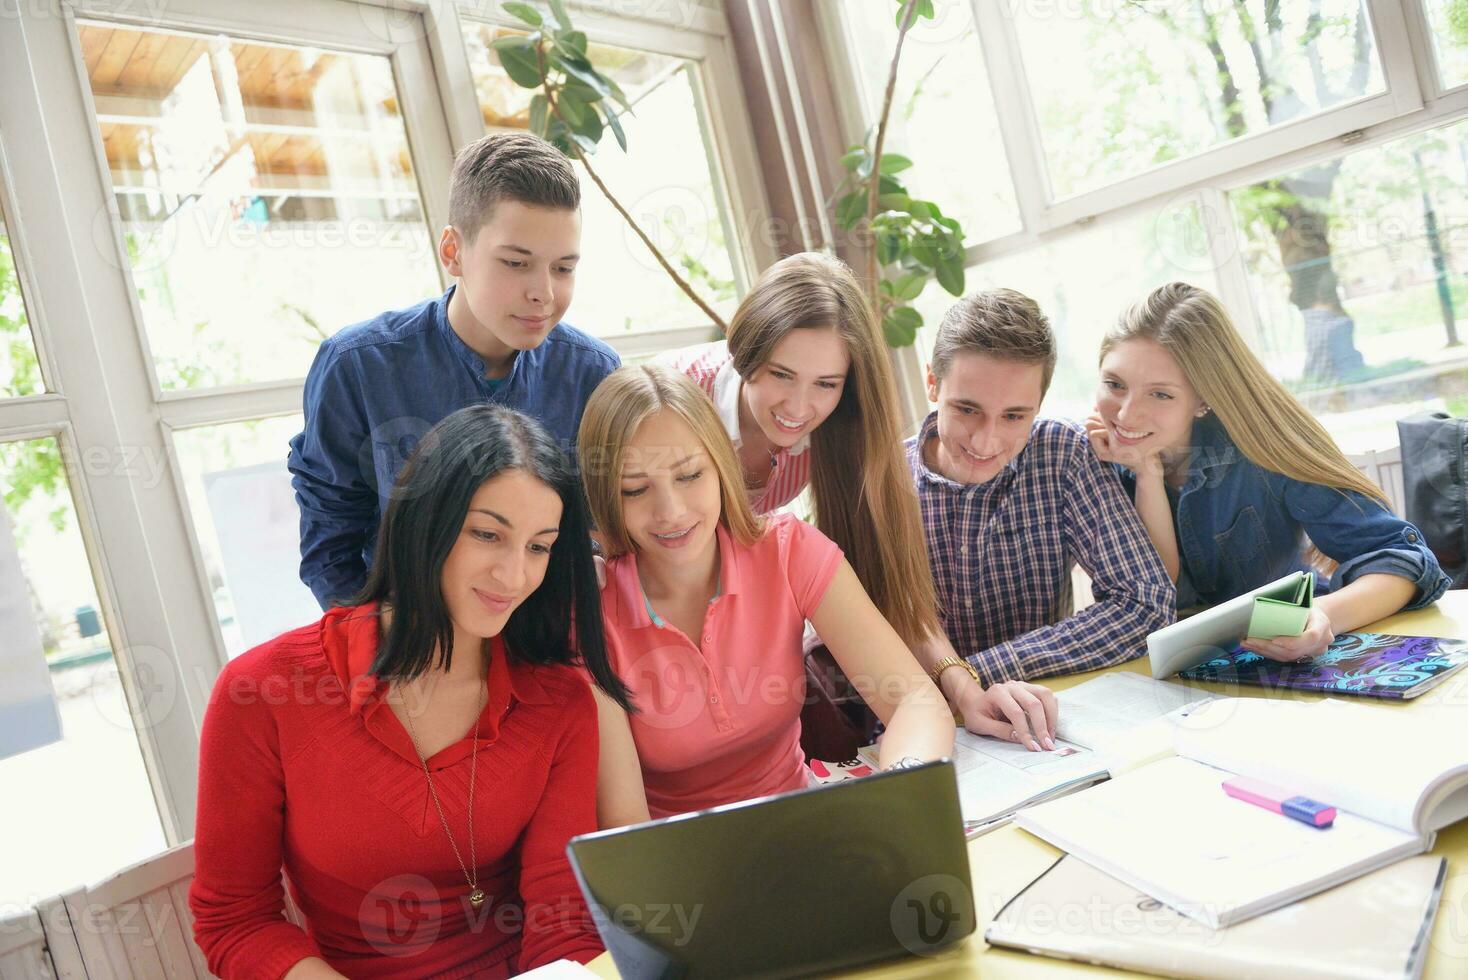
[1218, 629]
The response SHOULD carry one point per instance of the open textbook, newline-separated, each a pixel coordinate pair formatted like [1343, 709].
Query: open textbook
[1105, 724]
[1169, 830]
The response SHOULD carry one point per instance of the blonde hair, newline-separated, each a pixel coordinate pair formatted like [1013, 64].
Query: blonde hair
[1265, 422]
[860, 482]
[620, 404]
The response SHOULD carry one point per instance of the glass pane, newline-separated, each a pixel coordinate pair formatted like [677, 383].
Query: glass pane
[248, 527]
[1359, 276]
[265, 193]
[942, 113]
[20, 372]
[666, 180]
[1122, 87]
[1083, 281]
[1449, 19]
[79, 808]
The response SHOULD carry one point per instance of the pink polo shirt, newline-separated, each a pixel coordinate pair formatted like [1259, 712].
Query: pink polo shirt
[722, 723]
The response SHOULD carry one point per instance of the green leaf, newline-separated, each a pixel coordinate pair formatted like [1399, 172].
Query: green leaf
[925, 254]
[921, 210]
[615, 125]
[851, 209]
[525, 12]
[572, 109]
[950, 274]
[522, 65]
[510, 41]
[580, 69]
[587, 145]
[559, 10]
[854, 157]
[900, 326]
[893, 202]
[890, 185]
[893, 163]
[572, 43]
[889, 248]
[583, 91]
[539, 114]
[590, 125]
[909, 287]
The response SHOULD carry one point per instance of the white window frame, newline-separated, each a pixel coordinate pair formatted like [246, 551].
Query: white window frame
[92, 343]
[677, 29]
[89, 330]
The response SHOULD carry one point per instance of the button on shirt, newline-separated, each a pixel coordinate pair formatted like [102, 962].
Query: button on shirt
[711, 367]
[719, 721]
[1002, 554]
[376, 387]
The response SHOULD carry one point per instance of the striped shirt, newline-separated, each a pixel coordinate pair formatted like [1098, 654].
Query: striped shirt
[712, 368]
[1002, 554]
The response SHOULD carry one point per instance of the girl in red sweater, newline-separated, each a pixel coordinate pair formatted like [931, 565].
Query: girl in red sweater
[417, 761]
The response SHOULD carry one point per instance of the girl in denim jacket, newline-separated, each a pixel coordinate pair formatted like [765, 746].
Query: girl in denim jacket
[1237, 483]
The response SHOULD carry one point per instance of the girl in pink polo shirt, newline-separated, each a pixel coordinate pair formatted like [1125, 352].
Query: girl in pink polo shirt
[704, 607]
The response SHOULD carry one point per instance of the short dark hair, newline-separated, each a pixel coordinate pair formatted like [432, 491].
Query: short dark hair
[1002, 323]
[508, 167]
[424, 517]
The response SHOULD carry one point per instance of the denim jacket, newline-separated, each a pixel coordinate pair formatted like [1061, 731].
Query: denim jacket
[1240, 526]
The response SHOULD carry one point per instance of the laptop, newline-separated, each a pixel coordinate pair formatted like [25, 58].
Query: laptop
[1214, 631]
[817, 880]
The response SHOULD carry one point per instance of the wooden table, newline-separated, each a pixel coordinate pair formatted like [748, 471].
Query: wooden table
[1006, 860]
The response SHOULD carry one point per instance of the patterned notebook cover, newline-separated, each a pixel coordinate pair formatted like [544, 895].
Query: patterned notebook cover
[1376, 665]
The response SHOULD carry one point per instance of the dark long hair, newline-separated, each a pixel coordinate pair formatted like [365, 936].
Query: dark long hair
[424, 517]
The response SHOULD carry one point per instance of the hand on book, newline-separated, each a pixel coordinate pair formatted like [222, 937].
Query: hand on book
[1310, 644]
[1016, 711]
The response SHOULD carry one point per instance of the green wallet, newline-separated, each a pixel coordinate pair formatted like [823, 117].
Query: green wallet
[1283, 615]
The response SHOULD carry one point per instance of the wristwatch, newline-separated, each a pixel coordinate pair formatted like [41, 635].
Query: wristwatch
[947, 662]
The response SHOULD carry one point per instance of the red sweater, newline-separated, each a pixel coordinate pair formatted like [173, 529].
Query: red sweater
[304, 767]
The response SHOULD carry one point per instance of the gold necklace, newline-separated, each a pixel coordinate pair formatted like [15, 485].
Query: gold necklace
[476, 894]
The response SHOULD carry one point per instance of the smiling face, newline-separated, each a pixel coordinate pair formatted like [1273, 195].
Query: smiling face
[799, 386]
[502, 552]
[671, 501]
[515, 278]
[985, 408]
[1145, 398]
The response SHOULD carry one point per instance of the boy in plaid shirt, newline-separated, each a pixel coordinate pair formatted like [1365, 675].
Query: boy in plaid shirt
[1011, 503]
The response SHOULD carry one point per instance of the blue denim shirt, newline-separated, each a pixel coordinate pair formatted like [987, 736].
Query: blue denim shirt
[1240, 526]
[376, 387]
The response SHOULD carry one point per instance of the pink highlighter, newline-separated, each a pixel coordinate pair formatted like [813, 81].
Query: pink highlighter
[1291, 805]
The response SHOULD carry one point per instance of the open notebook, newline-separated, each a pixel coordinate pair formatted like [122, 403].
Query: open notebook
[1169, 830]
[1104, 723]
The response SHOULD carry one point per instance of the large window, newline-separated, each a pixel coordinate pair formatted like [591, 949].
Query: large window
[1278, 154]
[668, 180]
[80, 804]
[1121, 87]
[20, 372]
[265, 195]
[942, 88]
[1358, 272]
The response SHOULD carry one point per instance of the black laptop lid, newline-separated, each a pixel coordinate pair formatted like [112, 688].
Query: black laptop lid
[817, 880]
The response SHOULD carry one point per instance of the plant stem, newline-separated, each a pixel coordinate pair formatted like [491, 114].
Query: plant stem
[875, 178]
[718, 321]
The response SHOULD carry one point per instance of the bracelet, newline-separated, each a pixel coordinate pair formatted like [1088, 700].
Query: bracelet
[947, 662]
[906, 762]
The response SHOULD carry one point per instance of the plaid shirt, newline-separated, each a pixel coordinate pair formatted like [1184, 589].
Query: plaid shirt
[1002, 554]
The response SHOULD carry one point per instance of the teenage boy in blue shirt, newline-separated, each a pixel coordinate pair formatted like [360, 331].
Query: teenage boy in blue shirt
[1011, 503]
[513, 242]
